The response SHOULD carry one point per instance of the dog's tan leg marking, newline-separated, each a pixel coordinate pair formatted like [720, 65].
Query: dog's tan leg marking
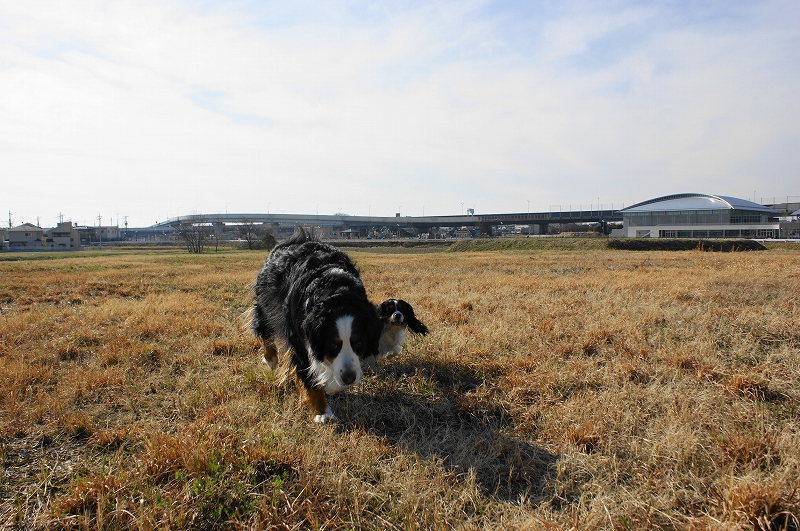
[319, 404]
[270, 354]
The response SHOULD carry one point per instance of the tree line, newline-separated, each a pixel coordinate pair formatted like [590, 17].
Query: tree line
[198, 232]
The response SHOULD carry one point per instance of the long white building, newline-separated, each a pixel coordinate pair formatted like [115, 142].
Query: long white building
[699, 216]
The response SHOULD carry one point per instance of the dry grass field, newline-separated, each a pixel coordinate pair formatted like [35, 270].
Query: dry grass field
[557, 390]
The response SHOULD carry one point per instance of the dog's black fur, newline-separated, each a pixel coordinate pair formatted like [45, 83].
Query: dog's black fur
[302, 293]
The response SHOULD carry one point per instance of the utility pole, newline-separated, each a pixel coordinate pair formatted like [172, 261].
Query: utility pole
[9, 218]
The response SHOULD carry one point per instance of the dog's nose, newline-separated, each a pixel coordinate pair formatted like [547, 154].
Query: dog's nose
[348, 377]
[397, 317]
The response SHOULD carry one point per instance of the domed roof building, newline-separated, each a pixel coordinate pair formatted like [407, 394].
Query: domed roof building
[699, 216]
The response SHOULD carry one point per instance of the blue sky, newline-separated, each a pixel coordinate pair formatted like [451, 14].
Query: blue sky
[155, 109]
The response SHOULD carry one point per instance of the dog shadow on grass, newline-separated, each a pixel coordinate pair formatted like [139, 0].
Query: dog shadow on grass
[424, 408]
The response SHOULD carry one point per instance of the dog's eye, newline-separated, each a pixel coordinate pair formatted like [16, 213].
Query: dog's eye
[337, 344]
[355, 341]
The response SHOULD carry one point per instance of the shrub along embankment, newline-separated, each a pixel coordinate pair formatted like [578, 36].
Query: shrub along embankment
[379, 244]
[530, 244]
[659, 244]
[585, 244]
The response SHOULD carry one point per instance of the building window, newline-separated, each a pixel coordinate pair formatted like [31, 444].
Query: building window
[745, 217]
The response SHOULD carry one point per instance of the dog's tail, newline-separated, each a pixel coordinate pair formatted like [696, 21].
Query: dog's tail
[301, 235]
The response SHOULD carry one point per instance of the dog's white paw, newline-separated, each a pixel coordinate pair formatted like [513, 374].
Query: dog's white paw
[331, 388]
[326, 417]
[394, 352]
[369, 363]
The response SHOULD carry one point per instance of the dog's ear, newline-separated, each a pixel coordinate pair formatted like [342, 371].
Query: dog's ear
[313, 325]
[416, 326]
[385, 309]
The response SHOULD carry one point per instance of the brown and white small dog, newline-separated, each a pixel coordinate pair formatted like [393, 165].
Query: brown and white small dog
[396, 315]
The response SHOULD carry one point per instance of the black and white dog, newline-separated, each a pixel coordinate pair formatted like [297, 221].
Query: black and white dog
[309, 294]
[396, 315]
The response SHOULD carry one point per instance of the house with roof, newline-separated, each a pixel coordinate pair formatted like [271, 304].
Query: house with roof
[64, 237]
[93, 235]
[693, 215]
[25, 237]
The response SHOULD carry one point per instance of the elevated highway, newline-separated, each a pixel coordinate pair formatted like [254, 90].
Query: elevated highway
[483, 222]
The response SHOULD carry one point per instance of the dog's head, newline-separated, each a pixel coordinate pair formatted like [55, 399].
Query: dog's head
[397, 312]
[339, 334]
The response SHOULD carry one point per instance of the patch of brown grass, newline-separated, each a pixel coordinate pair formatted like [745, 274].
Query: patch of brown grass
[765, 503]
[590, 389]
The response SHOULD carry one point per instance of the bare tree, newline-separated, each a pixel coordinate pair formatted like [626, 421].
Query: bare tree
[194, 230]
[216, 233]
[268, 240]
[250, 233]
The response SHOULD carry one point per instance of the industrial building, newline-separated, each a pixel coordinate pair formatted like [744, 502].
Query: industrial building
[699, 216]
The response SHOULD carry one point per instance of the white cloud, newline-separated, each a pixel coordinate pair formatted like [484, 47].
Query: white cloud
[156, 109]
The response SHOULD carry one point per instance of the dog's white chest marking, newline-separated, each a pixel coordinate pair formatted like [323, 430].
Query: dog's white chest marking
[391, 342]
